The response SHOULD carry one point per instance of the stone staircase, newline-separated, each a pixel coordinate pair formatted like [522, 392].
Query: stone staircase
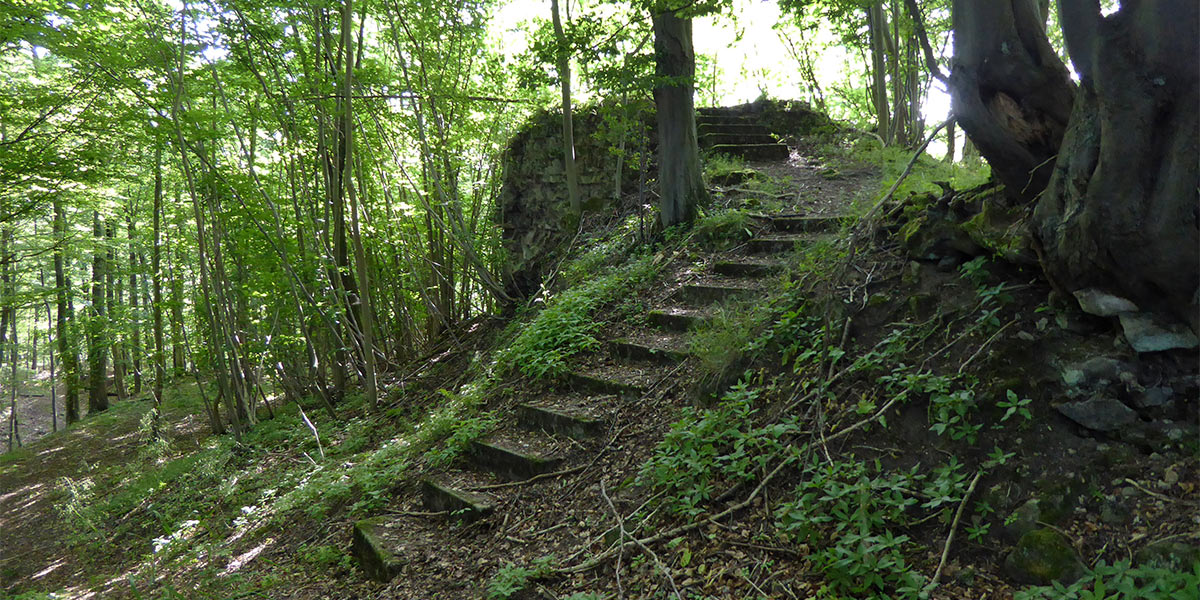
[736, 133]
[553, 435]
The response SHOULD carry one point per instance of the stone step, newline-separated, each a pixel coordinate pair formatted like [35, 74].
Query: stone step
[748, 128]
[558, 421]
[677, 318]
[439, 496]
[634, 350]
[724, 119]
[701, 293]
[582, 382]
[801, 223]
[743, 268]
[778, 244]
[510, 463]
[754, 151]
[708, 140]
[371, 540]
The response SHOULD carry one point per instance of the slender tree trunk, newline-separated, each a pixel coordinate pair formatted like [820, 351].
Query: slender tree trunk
[135, 318]
[53, 375]
[951, 141]
[877, 27]
[113, 296]
[564, 75]
[366, 317]
[97, 353]
[681, 186]
[14, 432]
[160, 359]
[178, 358]
[67, 353]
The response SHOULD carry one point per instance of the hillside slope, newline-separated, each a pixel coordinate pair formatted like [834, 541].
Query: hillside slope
[780, 403]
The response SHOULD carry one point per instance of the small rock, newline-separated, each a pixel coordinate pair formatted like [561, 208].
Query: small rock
[1144, 334]
[948, 264]
[1168, 555]
[1099, 413]
[1041, 557]
[1101, 304]
[1171, 477]
[1116, 513]
[1153, 397]
[1023, 520]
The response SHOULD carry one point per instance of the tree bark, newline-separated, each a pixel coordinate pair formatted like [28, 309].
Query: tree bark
[1121, 211]
[64, 316]
[160, 359]
[135, 352]
[365, 320]
[97, 353]
[680, 184]
[877, 28]
[564, 74]
[113, 297]
[1009, 90]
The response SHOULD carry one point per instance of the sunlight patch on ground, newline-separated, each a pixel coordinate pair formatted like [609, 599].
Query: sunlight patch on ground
[50, 569]
[25, 490]
[240, 561]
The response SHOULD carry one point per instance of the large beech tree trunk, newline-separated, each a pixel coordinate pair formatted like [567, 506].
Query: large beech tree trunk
[1009, 90]
[1113, 163]
[679, 179]
[1121, 212]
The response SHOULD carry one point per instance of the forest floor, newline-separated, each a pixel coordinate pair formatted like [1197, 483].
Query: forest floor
[889, 409]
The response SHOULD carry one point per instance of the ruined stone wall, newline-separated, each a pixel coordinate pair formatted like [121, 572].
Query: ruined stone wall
[533, 207]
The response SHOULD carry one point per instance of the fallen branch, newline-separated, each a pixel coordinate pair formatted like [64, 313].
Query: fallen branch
[937, 575]
[676, 532]
[662, 567]
[869, 217]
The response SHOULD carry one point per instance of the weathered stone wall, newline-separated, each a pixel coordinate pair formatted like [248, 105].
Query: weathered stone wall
[533, 207]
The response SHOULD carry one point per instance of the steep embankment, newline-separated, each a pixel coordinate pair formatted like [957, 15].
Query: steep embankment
[779, 403]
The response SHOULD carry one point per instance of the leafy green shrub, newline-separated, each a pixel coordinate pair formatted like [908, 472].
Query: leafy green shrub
[718, 165]
[712, 446]
[567, 325]
[511, 579]
[728, 335]
[1120, 581]
[324, 557]
[847, 514]
[723, 229]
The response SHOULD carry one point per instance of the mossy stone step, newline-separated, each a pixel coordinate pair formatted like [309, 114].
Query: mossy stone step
[370, 548]
[558, 421]
[737, 139]
[736, 268]
[710, 293]
[676, 319]
[639, 351]
[724, 119]
[581, 382]
[439, 497]
[780, 244]
[801, 223]
[509, 463]
[742, 128]
[754, 151]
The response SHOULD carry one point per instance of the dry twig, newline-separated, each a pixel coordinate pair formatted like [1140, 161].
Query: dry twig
[937, 575]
